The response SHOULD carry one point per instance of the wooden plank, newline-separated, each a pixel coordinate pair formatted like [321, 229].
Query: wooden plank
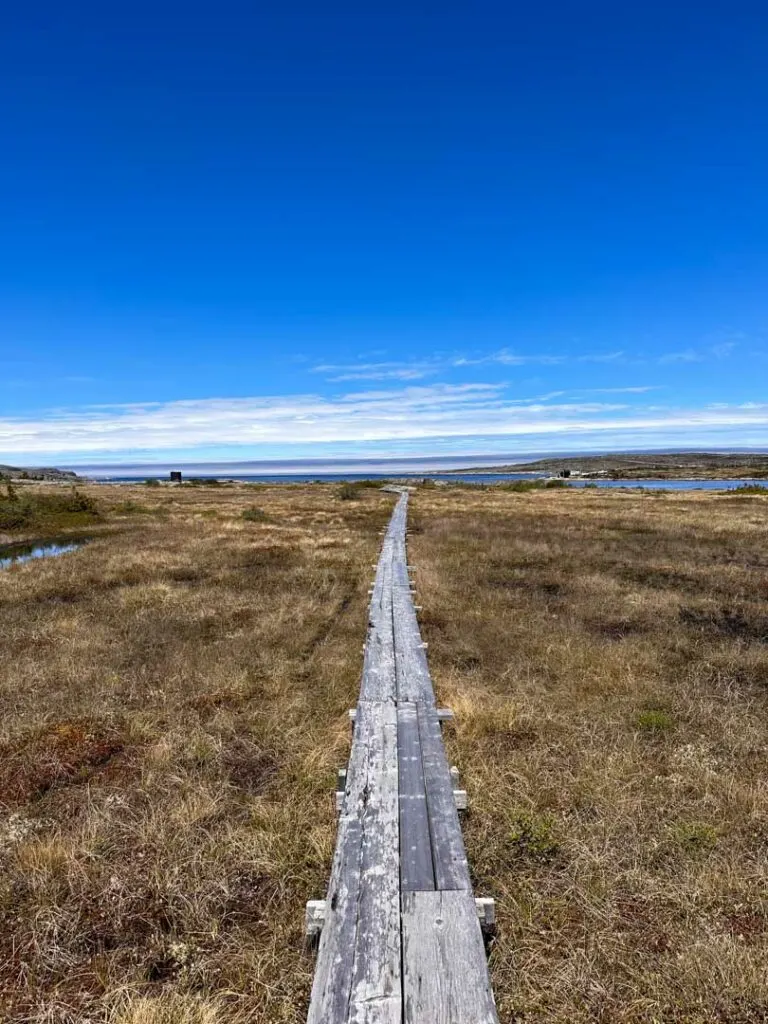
[332, 984]
[415, 848]
[445, 974]
[449, 856]
[376, 996]
[357, 976]
[414, 684]
[379, 681]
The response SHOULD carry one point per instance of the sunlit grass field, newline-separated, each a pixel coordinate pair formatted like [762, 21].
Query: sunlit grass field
[173, 709]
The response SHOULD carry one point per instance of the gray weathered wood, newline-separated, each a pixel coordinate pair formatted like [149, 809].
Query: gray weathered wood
[401, 940]
[445, 975]
[376, 987]
[448, 854]
[416, 870]
[414, 684]
[358, 963]
[332, 985]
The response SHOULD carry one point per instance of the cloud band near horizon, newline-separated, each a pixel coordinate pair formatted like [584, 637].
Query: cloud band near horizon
[436, 415]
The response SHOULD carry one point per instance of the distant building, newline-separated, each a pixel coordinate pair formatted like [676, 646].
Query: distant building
[175, 476]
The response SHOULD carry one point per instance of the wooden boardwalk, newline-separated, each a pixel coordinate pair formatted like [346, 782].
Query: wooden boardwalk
[401, 941]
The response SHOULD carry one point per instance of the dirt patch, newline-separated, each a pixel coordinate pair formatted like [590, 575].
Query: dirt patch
[63, 753]
[249, 767]
[739, 624]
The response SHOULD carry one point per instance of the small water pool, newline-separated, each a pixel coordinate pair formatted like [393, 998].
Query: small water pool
[11, 554]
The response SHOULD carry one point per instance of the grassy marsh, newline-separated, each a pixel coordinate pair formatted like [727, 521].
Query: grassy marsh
[173, 709]
[606, 655]
[174, 705]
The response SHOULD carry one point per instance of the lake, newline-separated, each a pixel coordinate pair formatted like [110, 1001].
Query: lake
[469, 477]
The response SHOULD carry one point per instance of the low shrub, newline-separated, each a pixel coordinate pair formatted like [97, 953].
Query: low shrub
[132, 508]
[748, 489]
[254, 515]
[26, 509]
[521, 486]
[348, 491]
[533, 835]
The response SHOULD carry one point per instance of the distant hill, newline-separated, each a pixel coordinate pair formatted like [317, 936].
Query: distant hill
[624, 466]
[39, 473]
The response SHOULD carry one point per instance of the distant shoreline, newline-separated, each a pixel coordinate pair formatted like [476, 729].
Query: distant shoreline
[623, 466]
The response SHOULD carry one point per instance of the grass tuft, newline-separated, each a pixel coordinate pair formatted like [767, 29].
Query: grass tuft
[654, 720]
[695, 836]
[533, 835]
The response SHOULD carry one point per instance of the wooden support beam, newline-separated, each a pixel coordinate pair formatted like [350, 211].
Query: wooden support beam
[486, 912]
[314, 919]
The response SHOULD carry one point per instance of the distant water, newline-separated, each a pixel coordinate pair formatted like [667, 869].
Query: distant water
[11, 554]
[469, 478]
[669, 485]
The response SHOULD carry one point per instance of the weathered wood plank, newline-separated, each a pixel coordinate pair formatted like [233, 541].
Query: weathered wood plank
[357, 977]
[401, 942]
[376, 984]
[379, 681]
[449, 856]
[445, 975]
[332, 984]
[415, 847]
[414, 684]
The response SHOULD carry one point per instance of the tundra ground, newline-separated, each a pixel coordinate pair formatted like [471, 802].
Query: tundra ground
[606, 654]
[173, 709]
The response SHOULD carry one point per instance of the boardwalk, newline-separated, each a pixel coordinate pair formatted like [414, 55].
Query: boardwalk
[401, 941]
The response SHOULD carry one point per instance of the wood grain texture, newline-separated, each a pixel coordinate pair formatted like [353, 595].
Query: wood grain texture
[376, 987]
[449, 855]
[416, 870]
[414, 684]
[445, 975]
[332, 984]
[357, 977]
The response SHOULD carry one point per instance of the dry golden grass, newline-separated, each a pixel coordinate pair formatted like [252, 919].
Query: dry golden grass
[606, 654]
[172, 712]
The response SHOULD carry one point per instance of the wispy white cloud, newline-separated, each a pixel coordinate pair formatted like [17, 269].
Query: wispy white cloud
[418, 369]
[688, 355]
[384, 416]
[699, 355]
[643, 389]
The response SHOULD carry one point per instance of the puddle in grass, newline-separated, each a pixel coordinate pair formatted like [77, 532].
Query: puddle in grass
[12, 554]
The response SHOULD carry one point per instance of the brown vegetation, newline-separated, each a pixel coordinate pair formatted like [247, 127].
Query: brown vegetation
[606, 655]
[173, 709]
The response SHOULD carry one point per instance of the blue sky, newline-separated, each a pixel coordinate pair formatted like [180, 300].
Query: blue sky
[313, 230]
